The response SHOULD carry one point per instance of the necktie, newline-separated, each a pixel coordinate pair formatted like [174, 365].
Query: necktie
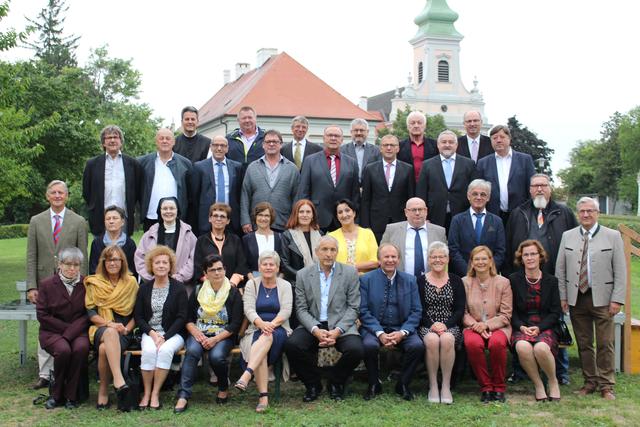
[297, 155]
[478, 228]
[334, 176]
[387, 174]
[583, 279]
[57, 227]
[418, 255]
[220, 184]
[448, 171]
[540, 218]
[474, 150]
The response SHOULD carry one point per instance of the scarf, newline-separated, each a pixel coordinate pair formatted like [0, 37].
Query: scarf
[69, 283]
[106, 299]
[122, 239]
[212, 301]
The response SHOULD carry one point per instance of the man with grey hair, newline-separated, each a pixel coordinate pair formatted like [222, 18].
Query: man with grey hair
[444, 180]
[298, 149]
[111, 179]
[417, 147]
[475, 227]
[50, 232]
[473, 144]
[359, 148]
[592, 279]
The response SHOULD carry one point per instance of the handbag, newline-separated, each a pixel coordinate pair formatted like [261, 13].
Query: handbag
[564, 336]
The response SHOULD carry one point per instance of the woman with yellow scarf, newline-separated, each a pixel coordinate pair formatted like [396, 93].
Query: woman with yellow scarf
[213, 320]
[110, 299]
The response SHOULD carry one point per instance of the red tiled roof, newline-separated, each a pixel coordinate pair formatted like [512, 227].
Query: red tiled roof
[282, 87]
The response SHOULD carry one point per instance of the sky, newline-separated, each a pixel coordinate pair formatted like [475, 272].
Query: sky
[562, 67]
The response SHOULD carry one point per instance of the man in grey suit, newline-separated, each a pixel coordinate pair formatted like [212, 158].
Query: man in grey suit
[327, 177]
[592, 272]
[359, 148]
[405, 236]
[300, 148]
[271, 178]
[327, 304]
[51, 231]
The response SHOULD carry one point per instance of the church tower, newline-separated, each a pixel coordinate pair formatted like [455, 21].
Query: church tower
[435, 85]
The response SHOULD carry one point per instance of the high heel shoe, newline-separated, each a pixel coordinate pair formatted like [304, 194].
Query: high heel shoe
[241, 385]
[122, 394]
[262, 407]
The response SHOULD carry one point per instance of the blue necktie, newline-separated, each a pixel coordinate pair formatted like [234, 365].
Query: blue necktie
[418, 256]
[220, 184]
[447, 171]
[478, 228]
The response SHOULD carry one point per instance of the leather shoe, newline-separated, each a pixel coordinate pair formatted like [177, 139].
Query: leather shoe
[103, 406]
[486, 397]
[71, 404]
[52, 403]
[403, 390]
[312, 392]
[608, 394]
[586, 389]
[336, 392]
[41, 383]
[122, 393]
[498, 396]
[372, 391]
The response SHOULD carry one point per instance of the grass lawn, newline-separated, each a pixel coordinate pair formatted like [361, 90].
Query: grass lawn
[16, 396]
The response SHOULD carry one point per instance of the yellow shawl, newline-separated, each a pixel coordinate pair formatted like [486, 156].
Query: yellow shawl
[212, 301]
[106, 299]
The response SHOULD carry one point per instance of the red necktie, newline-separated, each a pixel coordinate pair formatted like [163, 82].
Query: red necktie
[57, 227]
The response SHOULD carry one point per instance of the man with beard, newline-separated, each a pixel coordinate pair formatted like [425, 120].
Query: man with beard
[544, 220]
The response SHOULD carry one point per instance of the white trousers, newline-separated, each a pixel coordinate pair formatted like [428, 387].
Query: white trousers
[153, 357]
[45, 363]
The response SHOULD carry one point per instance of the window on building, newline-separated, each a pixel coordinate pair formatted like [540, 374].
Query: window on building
[420, 72]
[443, 71]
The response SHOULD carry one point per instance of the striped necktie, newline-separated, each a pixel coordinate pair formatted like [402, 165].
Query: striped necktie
[57, 228]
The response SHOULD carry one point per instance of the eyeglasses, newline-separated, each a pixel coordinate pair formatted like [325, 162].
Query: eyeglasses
[587, 211]
[539, 185]
[113, 260]
[215, 270]
[437, 257]
[219, 146]
[218, 216]
[416, 210]
[530, 255]
[483, 195]
[389, 145]
[272, 142]
[71, 264]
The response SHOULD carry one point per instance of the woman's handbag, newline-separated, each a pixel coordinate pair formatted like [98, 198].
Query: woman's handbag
[564, 336]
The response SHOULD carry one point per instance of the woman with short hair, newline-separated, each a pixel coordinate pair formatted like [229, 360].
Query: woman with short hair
[115, 220]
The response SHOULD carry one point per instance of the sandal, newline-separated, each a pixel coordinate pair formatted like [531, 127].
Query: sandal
[241, 385]
[262, 407]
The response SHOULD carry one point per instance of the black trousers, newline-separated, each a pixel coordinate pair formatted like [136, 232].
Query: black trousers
[302, 351]
[411, 347]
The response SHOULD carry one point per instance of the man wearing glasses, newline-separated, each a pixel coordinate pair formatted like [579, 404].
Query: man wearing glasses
[359, 148]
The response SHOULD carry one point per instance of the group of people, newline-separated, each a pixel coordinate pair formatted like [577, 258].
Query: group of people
[440, 249]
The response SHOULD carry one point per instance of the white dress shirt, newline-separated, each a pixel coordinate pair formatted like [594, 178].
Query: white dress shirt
[164, 185]
[503, 165]
[114, 182]
[409, 247]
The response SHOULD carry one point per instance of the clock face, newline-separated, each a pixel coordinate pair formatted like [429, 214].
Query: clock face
[444, 108]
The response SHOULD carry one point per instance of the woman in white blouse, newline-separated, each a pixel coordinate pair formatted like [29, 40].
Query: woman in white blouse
[263, 239]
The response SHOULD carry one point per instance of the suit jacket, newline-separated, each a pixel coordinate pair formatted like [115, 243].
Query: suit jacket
[430, 150]
[381, 206]
[344, 298]
[236, 147]
[550, 310]
[496, 303]
[174, 310]
[204, 190]
[432, 187]
[250, 246]
[462, 240]
[316, 185]
[371, 154]
[520, 174]
[372, 290]
[484, 148]
[42, 253]
[309, 149]
[397, 234]
[61, 315]
[607, 261]
[93, 191]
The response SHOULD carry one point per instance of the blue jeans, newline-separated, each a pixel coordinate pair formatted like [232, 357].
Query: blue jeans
[217, 360]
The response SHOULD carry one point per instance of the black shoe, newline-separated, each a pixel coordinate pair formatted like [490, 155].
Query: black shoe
[403, 390]
[336, 391]
[498, 396]
[514, 378]
[41, 383]
[103, 406]
[222, 400]
[183, 409]
[486, 397]
[312, 393]
[71, 404]
[372, 391]
[52, 403]
[122, 393]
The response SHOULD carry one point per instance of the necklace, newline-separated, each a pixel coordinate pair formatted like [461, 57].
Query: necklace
[534, 281]
[268, 291]
[218, 239]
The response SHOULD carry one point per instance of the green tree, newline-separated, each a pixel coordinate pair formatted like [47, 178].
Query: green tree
[526, 141]
[9, 38]
[629, 143]
[113, 78]
[435, 125]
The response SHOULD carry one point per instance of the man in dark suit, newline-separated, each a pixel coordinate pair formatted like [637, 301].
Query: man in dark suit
[359, 148]
[444, 180]
[214, 174]
[473, 144]
[387, 184]
[390, 312]
[191, 144]
[417, 148]
[475, 227]
[509, 173]
[110, 179]
[51, 231]
[245, 142]
[328, 177]
[327, 302]
[300, 148]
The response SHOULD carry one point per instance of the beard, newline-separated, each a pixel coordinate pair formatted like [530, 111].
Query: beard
[540, 202]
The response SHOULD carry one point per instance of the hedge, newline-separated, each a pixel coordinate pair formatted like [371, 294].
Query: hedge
[13, 231]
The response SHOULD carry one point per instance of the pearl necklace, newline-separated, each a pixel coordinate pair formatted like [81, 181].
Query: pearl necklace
[535, 281]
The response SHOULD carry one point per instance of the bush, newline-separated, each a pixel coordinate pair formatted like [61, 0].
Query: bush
[13, 231]
[633, 222]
